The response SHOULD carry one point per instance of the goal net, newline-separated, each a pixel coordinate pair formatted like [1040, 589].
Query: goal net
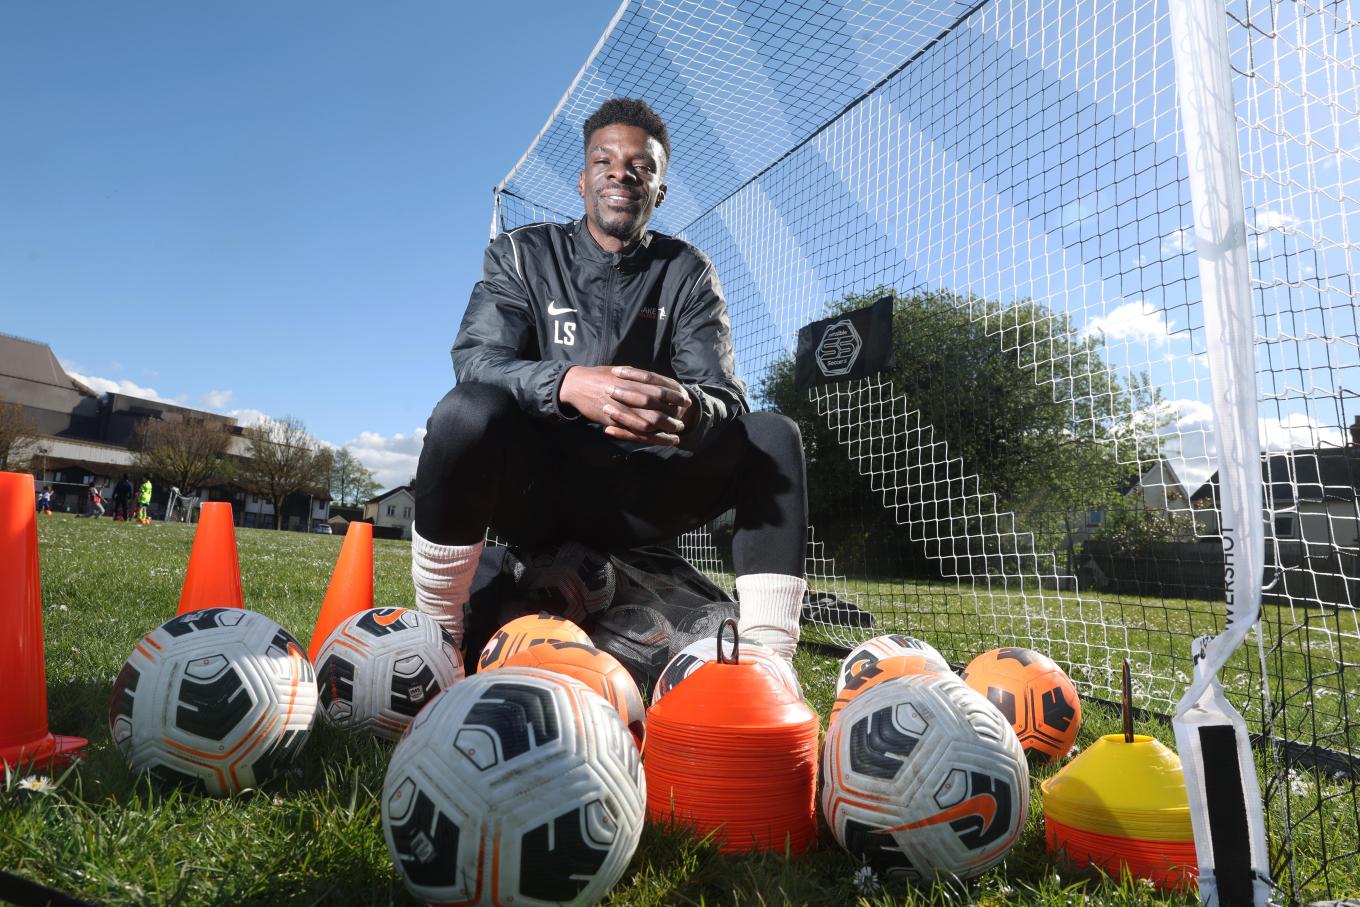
[1039, 466]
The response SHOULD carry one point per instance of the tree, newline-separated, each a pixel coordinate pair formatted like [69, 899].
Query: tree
[187, 453]
[351, 481]
[1025, 402]
[284, 459]
[18, 437]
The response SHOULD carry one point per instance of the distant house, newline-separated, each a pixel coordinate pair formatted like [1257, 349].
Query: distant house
[1162, 488]
[394, 509]
[341, 516]
[1159, 487]
[301, 511]
[1313, 528]
[87, 436]
[83, 435]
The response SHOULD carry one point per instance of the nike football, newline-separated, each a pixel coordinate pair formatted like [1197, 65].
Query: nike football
[222, 698]
[866, 655]
[379, 667]
[921, 778]
[518, 786]
[1036, 696]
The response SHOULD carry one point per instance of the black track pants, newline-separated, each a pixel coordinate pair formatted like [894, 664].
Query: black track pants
[488, 464]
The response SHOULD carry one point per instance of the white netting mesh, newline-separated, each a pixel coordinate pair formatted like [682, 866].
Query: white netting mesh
[1039, 466]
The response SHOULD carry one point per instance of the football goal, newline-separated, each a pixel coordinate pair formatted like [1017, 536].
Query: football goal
[1042, 462]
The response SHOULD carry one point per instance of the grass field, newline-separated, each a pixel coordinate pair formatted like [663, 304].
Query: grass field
[314, 837]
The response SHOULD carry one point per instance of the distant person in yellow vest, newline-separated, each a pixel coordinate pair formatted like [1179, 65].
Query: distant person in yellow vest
[143, 502]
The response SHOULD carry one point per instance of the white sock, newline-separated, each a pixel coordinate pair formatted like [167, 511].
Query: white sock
[770, 604]
[443, 577]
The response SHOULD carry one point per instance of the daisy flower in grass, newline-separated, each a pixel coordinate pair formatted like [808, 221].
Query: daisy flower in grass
[866, 881]
[37, 784]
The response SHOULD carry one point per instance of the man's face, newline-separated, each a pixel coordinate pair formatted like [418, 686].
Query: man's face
[621, 183]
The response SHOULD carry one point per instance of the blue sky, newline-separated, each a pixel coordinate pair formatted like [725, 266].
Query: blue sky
[273, 208]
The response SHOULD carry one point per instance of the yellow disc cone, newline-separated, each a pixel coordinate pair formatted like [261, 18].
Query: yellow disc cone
[1128, 790]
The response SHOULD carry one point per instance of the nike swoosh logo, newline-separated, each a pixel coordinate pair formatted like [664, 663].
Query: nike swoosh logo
[983, 806]
[554, 310]
[386, 620]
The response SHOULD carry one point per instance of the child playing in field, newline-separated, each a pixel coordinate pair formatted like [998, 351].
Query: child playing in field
[143, 502]
[45, 500]
[96, 500]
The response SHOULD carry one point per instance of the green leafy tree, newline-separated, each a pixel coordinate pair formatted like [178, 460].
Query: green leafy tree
[1013, 391]
[351, 481]
[284, 459]
[188, 453]
[18, 437]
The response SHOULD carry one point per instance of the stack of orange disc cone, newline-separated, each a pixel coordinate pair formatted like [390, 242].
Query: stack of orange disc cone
[24, 736]
[733, 752]
[351, 588]
[213, 578]
[1121, 805]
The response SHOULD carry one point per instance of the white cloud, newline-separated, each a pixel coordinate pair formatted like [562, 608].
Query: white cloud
[1138, 320]
[1269, 219]
[1191, 446]
[1178, 241]
[217, 399]
[246, 417]
[1075, 212]
[393, 459]
[1298, 430]
[1185, 430]
[123, 386]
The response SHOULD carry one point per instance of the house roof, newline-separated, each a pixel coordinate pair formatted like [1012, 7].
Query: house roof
[389, 492]
[29, 360]
[1319, 474]
[1170, 479]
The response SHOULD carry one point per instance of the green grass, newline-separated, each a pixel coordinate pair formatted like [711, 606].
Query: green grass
[314, 836]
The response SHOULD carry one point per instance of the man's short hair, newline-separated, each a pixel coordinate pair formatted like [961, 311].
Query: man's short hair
[628, 112]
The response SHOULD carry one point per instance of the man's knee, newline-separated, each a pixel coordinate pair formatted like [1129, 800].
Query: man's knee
[774, 434]
[471, 410]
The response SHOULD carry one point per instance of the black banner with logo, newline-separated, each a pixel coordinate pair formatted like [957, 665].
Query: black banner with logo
[852, 345]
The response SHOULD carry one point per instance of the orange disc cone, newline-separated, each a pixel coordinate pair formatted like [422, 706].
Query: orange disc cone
[731, 752]
[24, 738]
[351, 588]
[213, 579]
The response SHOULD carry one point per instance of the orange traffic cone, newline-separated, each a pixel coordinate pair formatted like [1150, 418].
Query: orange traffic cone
[24, 737]
[213, 579]
[351, 588]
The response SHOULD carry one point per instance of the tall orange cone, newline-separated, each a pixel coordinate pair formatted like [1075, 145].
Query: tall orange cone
[351, 588]
[213, 579]
[24, 737]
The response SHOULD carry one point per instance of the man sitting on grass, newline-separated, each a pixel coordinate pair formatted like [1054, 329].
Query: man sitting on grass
[597, 401]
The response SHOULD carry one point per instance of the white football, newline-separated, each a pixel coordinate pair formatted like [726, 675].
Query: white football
[518, 786]
[378, 668]
[923, 777]
[700, 652]
[220, 697]
[867, 654]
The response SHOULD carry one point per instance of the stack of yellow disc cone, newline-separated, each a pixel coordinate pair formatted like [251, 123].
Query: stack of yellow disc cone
[1122, 806]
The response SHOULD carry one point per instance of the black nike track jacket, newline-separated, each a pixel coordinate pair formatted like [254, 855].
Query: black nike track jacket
[551, 298]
